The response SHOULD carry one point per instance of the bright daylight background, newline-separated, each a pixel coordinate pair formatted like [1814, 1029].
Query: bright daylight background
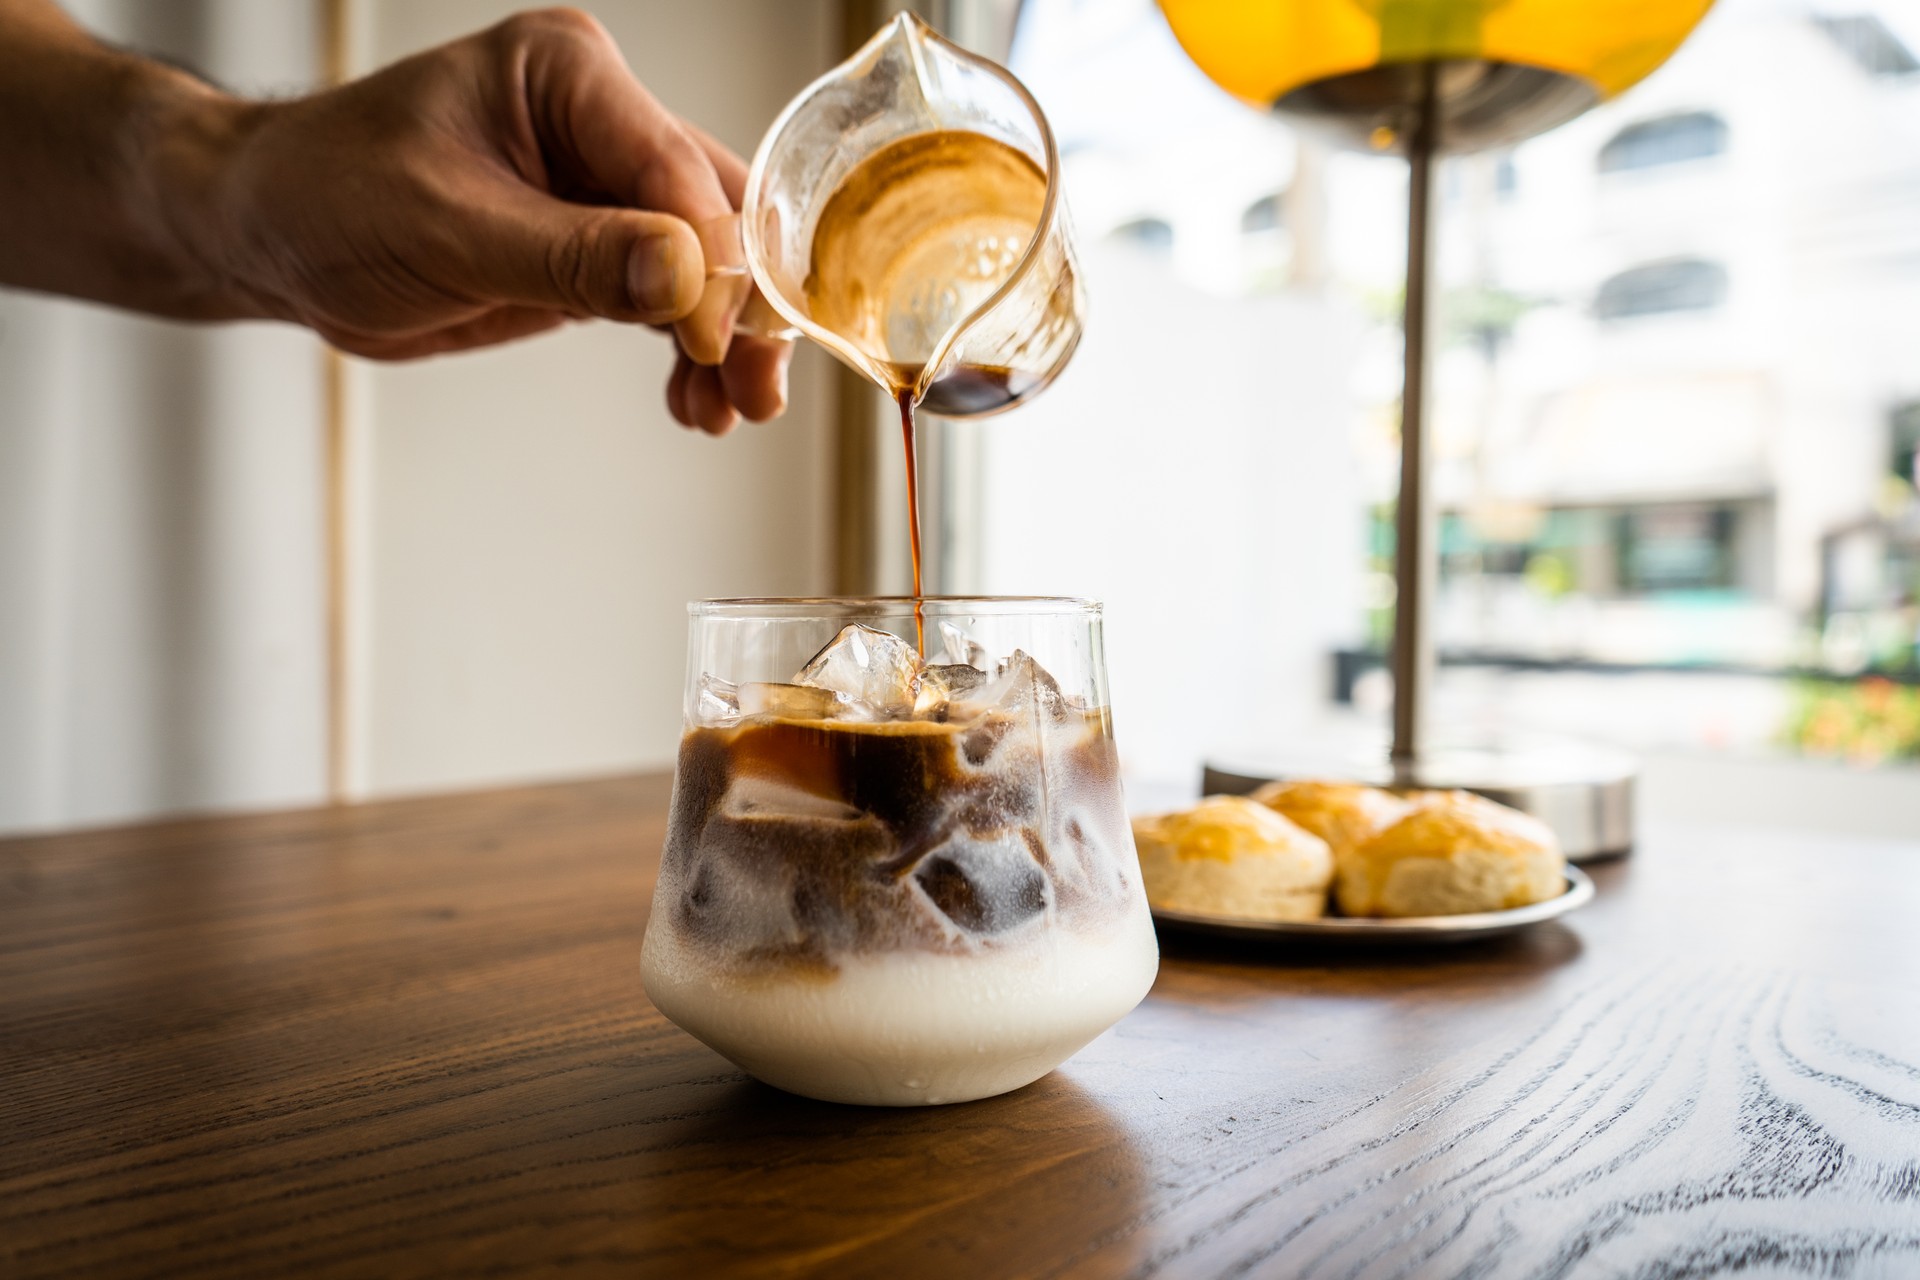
[1678, 409]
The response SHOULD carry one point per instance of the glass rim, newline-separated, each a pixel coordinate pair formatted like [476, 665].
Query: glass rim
[869, 606]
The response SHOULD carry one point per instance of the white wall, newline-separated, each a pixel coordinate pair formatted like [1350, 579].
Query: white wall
[160, 629]
[532, 520]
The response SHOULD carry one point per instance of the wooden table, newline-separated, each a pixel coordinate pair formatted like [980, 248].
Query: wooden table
[410, 1039]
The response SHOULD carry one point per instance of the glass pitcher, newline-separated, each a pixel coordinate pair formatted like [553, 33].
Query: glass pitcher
[965, 320]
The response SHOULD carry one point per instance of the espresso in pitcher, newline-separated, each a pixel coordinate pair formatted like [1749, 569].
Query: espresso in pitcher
[916, 237]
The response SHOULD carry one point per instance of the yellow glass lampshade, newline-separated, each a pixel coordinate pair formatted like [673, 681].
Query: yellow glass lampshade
[1506, 68]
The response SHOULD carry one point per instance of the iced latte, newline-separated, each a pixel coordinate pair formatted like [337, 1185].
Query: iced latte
[896, 881]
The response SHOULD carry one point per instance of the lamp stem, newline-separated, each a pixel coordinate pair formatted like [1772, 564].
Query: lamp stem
[1415, 566]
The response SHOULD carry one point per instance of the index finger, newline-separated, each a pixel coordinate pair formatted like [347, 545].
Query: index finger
[727, 164]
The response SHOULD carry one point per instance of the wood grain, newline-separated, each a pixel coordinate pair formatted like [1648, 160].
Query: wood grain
[409, 1039]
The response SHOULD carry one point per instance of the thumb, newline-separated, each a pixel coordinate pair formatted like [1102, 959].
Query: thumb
[618, 264]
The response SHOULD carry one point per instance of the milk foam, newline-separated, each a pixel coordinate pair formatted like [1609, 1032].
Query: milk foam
[910, 1027]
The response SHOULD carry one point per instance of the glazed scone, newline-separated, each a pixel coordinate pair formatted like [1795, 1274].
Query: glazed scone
[1454, 853]
[1231, 856]
[1344, 814]
[1420, 799]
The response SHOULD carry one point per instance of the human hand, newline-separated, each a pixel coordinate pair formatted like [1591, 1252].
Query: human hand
[482, 191]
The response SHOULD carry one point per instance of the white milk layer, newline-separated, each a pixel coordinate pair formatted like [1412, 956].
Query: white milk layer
[911, 1028]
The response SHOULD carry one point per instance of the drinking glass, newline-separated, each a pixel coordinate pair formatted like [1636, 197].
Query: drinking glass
[897, 882]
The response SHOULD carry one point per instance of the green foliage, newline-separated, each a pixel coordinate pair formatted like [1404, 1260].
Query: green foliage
[1482, 314]
[1550, 573]
[1478, 314]
[1863, 721]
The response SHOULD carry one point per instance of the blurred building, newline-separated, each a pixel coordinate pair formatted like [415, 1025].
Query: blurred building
[1685, 334]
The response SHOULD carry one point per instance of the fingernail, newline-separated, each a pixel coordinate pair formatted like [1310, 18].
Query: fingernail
[653, 275]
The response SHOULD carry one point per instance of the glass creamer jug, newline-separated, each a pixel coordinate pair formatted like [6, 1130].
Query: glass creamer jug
[905, 213]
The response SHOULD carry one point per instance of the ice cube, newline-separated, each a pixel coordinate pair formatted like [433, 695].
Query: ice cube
[716, 701]
[746, 901]
[961, 649]
[875, 668]
[943, 686]
[985, 886]
[796, 702]
[769, 798]
[1024, 687]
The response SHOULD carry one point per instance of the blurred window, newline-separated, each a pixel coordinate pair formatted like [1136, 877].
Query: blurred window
[1685, 284]
[1668, 140]
[1676, 549]
[1154, 234]
[1865, 39]
[1905, 423]
[1268, 213]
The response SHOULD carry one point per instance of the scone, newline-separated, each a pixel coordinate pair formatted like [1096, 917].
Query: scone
[1454, 853]
[1344, 814]
[1231, 856]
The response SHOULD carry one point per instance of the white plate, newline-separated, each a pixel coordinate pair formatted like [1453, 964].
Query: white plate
[1410, 931]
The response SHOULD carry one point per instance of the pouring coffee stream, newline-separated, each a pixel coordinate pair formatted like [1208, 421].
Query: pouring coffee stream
[963, 391]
